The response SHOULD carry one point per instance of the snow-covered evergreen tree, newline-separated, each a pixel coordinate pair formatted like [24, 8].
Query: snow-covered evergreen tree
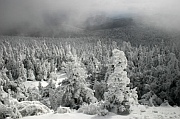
[117, 98]
[30, 75]
[75, 89]
[22, 72]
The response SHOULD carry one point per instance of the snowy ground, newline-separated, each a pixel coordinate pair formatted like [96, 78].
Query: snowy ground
[32, 84]
[60, 77]
[139, 113]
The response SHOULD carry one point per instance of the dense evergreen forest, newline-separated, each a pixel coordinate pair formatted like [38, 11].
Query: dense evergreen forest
[153, 69]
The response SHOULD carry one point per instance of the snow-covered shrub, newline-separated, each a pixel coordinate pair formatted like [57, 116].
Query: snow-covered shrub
[103, 112]
[90, 109]
[4, 111]
[93, 108]
[150, 99]
[8, 105]
[133, 97]
[117, 98]
[62, 110]
[48, 95]
[11, 111]
[100, 88]
[53, 76]
[33, 94]
[55, 98]
[15, 113]
[46, 102]
[30, 108]
[165, 104]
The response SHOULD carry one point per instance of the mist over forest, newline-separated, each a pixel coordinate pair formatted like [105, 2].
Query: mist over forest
[67, 18]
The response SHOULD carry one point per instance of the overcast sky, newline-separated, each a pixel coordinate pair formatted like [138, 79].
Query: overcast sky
[161, 13]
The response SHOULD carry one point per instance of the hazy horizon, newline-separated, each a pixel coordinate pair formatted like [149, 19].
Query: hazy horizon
[36, 14]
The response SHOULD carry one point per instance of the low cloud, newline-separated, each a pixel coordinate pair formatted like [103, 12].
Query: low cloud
[36, 13]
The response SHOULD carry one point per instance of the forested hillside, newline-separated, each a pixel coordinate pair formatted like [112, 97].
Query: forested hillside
[88, 63]
[98, 27]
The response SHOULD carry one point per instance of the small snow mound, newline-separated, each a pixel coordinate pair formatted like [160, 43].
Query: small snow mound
[34, 84]
[165, 104]
[62, 110]
[142, 108]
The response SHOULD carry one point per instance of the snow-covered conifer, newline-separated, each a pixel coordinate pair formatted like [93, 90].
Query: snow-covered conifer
[30, 75]
[76, 90]
[22, 72]
[117, 96]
